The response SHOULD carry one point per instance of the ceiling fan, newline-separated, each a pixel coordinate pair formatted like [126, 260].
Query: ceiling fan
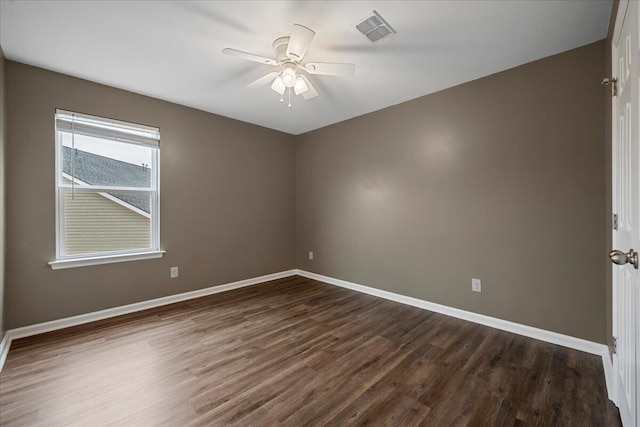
[289, 52]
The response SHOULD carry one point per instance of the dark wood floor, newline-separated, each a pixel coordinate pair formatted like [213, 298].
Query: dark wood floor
[297, 352]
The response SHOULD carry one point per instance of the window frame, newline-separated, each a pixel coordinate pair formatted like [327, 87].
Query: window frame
[64, 260]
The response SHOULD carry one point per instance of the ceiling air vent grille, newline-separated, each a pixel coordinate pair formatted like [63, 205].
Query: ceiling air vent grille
[374, 27]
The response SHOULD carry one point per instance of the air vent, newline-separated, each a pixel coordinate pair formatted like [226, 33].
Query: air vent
[374, 27]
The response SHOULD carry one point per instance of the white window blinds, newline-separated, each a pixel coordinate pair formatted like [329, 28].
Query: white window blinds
[84, 124]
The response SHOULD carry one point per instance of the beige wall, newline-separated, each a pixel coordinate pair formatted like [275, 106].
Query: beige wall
[227, 201]
[2, 191]
[501, 179]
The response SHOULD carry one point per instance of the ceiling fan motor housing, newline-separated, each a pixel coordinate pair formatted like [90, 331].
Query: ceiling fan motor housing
[280, 49]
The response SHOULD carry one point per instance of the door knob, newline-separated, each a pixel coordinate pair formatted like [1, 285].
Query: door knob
[620, 258]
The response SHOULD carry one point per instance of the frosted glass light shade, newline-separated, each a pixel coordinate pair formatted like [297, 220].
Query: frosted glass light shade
[289, 77]
[278, 85]
[300, 86]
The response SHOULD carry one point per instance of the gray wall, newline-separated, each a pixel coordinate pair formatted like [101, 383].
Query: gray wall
[2, 190]
[501, 179]
[227, 204]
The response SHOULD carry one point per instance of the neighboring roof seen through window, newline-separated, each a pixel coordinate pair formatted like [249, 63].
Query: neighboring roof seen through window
[97, 170]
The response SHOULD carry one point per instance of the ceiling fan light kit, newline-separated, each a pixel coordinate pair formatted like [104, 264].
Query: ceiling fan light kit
[289, 53]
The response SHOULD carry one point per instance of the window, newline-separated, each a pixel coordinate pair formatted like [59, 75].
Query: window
[107, 198]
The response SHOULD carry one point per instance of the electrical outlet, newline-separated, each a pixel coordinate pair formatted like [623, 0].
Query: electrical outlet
[476, 285]
[311, 255]
[174, 272]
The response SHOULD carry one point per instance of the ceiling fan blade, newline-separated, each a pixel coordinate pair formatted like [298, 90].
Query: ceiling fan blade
[311, 91]
[249, 56]
[264, 80]
[299, 41]
[330, 69]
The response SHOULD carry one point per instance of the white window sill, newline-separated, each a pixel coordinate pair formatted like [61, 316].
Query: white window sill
[104, 259]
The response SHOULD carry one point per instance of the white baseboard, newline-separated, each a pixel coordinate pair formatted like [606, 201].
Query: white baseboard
[505, 325]
[81, 319]
[4, 348]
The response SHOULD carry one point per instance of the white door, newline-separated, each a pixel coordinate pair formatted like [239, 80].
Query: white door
[626, 206]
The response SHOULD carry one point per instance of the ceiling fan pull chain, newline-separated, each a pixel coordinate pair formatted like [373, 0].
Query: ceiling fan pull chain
[289, 106]
[281, 99]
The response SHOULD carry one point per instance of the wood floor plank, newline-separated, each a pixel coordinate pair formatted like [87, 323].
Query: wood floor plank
[297, 352]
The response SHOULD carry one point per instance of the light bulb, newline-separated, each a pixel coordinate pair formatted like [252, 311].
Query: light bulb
[288, 77]
[300, 86]
[278, 85]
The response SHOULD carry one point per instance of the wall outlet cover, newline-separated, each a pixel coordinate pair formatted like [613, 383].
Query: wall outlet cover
[310, 255]
[476, 285]
[174, 272]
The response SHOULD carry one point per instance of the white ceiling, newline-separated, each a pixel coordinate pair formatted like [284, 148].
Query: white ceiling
[171, 50]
